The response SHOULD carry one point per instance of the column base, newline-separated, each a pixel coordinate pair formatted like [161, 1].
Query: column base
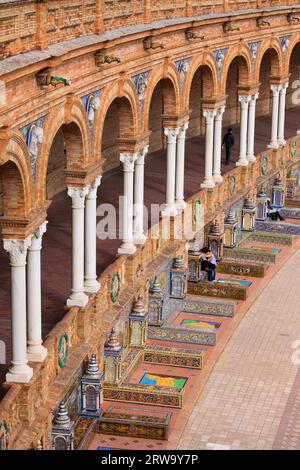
[127, 248]
[298, 132]
[36, 353]
[273, 145]
[139, 238]
[91, 286]
[208, 183]
[242, 161]
[19, 373]
[77, 299]
[251, 158]
[281, 142]
[169, 211]
[217, 178]
[180, 204]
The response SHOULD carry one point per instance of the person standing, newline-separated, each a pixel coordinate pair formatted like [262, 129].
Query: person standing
[228, 142]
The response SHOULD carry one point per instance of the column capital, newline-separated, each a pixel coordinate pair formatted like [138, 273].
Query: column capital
[171, 133]
[254, 97]
[36, 237]
[209, 115]
[17, 250]
[128, 160]
[182, 130]
[219, 113]
[78, 196]
[244, 100]
[141, 155]
[284, 88]
[276, 89]
[92, 194]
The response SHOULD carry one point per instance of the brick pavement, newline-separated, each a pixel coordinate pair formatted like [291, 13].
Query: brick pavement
[251, 399]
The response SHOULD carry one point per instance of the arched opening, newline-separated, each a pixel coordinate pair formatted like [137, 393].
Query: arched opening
[201, 88]
[66, 151]
[237, 76]
[269, 67]
[163, 103]
[293, 95]
[12, 206]
[118, 130]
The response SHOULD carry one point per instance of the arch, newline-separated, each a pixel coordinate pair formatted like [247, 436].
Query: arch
[168, 75]
[295, 41]
[207, 61]
[128, 110]
[72, 120]
[16, 177]
[240, 55]
[276, 57]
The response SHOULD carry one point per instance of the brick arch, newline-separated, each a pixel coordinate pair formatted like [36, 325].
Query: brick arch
[276, 59]
[16, 178]
[167, 74]
[207, 62]
[293, 43]
[241, 55]
[72, 120]
[124, 91]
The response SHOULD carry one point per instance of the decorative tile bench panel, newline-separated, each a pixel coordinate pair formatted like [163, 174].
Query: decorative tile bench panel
[141, 394]
[279, 227]
[135, 422]
[241, 268]
[272, 238]
[215, 289]
[209, 307]
[191, 358]
[180, 334]
[249, 254]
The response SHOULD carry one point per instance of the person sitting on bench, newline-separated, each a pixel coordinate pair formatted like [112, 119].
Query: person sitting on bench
[208, 263]
[273, 214]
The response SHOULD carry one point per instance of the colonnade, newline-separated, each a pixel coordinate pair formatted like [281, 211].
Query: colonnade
[25, 255]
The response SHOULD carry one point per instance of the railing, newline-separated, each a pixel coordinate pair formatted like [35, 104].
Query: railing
[27, 25]
[23, 405]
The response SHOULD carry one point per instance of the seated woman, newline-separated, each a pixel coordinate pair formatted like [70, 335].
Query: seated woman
[208, 263]
[273, 214]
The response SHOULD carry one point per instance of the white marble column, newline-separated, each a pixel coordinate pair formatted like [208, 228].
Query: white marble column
[209, 146]
[179, 186]
[244, 100]
[77, 297]
[170, 208]
[36, 352]
[251, 128]
[19, 370]
[138, 228]
[127, 247]
[91, 284]
[218, 146]
[275, 108]
[281, 117]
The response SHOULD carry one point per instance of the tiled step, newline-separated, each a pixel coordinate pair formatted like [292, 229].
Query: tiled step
[292, 202]
[135, 422]
[191, 358]
[291, 212]
[222, 308]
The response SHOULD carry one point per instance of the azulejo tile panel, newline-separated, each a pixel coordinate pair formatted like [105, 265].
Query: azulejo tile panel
[180, 334]
[176, 357]
[218, 290]
[137, 393]
[282, 227]
[209, 307]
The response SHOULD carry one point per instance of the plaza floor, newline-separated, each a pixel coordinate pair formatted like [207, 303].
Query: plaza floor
[56, 253]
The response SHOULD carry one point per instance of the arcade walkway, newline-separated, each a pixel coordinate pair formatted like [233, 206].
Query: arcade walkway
[252, 397]
[56, 253]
